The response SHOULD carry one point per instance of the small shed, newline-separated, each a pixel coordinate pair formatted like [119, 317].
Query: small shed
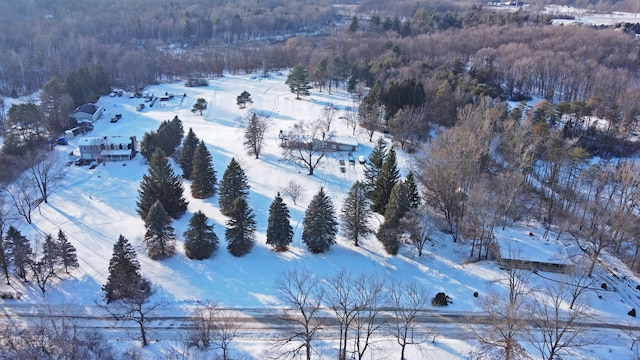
[342, 143]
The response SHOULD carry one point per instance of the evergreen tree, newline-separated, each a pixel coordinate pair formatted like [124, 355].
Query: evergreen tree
[149, 144]
[353, 26]
[320, 224]
[398, 204]
[200, 241]
[189, 146]
[279, 230]
[298, 81]
[413, 194]
[160, 237]
[243, 99]
[241, 228]
[234, 184]
[203, 175]
[51, 255]
[356, 212]
[397, 207]
[374, 164]
[4, 257]
[68, 255]
[20, 252]
[199, 106]
[125, 280]
[161, 184]
[386, 180]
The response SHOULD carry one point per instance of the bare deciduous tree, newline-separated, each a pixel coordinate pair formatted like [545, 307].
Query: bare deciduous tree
[341, 296]
[301, 294]
[367, 321]
[328, 115]
[420, 224]
[407, 302]
[136, 308]
[557, 326]
[307, 144]
[23, 198]
[293, 190]
[46, 172]
[508, 313]
[351, 119]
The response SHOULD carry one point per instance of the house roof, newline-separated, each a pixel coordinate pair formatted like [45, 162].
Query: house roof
[87, 109]
[345, 140]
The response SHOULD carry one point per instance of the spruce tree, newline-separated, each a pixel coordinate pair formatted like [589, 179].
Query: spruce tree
[374, 164]
[20, 252]
[279, 230]
[386, 180]
[298, 81]
[200, 241]
[67, 252]
[51, 255]
[397, 207]
[241, 227]
[234, 184]
[125, 280]
[356, 212]
[203, 175]
[413, 193]
[320, 224]
[189, 146]
[4, 257]
[160, 237]
[161, 184]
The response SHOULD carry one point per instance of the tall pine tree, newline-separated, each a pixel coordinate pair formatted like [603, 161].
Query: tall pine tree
[356, 212]
[320, 224]
[161, 184]
[4, 257]
[67, 252]
[389, 231]
[189, 146]
[20, 252]
[279, 230]
[200, 241]
[413, 194]
[51, 255]
[160, 237]
[386, 180]
[241, 228]
[125, 280]
[298, 81]
[203, 175]
[234, 184]
[374, 164]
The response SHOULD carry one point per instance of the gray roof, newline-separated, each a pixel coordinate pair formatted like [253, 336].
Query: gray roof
[87, 109]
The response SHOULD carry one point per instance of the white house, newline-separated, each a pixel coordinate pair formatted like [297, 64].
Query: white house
[87, 113]
[108, 148]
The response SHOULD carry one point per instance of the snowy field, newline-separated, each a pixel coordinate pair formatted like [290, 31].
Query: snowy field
[93, 207]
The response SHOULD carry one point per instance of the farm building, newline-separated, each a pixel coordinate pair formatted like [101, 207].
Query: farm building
[108, 148]
[87, 113]
[334, 142]
[531, 252]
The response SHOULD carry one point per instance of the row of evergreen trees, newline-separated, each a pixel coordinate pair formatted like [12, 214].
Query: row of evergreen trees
[51, 257]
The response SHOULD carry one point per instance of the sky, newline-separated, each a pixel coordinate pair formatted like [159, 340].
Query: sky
[93, 207]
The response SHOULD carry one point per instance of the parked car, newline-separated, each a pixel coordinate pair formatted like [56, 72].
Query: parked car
[93, 165]
[116, 117]
[62, 141]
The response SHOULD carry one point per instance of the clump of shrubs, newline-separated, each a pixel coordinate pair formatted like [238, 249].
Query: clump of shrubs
[441, 299]
[196, 82]
[9, 295]
[632, 312]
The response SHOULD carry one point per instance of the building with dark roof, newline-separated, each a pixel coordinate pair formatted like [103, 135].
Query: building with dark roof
[87, 113]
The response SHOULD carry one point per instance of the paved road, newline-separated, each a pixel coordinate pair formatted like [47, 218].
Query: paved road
[261, 323]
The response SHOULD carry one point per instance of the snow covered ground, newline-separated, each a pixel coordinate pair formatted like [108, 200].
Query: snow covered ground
[93, 207]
